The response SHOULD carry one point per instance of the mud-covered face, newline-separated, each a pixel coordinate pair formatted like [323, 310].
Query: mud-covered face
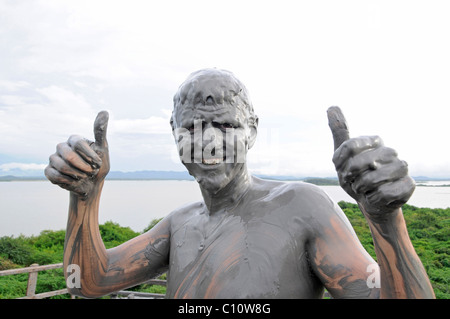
[213, 141]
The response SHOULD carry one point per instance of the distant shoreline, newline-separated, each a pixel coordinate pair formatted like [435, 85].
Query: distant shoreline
[184, 176]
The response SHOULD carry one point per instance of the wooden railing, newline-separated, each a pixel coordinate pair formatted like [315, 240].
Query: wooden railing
[139, 294]
[32, 280]
[34, 269]
[33, 276]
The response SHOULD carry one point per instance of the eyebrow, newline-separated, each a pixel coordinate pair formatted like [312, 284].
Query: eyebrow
[221, 115]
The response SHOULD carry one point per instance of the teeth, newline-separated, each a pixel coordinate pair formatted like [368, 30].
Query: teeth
[212, 161]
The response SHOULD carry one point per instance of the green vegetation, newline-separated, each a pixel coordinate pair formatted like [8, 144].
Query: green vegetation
[47, 248]
[429, 230]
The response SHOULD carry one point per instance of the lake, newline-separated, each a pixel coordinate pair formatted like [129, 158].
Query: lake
[29, 207]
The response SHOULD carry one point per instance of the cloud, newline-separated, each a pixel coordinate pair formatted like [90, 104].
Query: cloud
[72, 59]
[150, 125]
[32, 118]
[13, 85]
[22, 166]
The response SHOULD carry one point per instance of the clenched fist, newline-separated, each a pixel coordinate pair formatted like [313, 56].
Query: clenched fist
[368, 171]
[79, 164]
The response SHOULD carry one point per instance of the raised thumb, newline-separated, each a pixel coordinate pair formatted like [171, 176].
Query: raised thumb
[100, 128]
[338, 126]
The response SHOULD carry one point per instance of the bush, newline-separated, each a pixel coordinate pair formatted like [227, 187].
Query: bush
[51, 280]
[16, 250]
[7, 264]
[49, 239]
[429, 231]
[152, 224]
[46, 257]
[113, 234]
[14, 286]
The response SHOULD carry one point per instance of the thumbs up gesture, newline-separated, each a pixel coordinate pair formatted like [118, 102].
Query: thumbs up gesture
[368, 171]
[79, 164]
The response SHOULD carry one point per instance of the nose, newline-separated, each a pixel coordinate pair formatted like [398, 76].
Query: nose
[207, 142]
[210, 134]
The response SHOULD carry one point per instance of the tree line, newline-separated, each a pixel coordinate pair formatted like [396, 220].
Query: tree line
[429, 230]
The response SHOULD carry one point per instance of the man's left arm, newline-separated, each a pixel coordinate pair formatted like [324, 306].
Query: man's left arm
[373, 175]
[402, 274]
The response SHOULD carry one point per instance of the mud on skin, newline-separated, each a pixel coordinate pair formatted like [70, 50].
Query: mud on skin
[248, 237]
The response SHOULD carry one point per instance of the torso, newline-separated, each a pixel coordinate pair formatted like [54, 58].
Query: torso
[257, 250]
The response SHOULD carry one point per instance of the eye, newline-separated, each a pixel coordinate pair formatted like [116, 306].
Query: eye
[195, 127]
[223, 126]
[226, 126]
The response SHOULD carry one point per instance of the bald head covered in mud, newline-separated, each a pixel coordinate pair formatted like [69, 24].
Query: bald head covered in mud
[248, 237]
[214, 88]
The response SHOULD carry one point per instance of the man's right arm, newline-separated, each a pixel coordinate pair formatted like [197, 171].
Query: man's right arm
[103, 271]
[81, 166]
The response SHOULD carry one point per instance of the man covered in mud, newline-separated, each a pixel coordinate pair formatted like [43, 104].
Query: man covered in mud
[248, 238]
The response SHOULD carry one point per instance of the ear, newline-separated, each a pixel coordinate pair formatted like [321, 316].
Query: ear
[253, 126]
[172, 125]
[171, 122]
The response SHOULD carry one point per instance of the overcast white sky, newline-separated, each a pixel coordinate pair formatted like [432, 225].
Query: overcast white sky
[385, 63]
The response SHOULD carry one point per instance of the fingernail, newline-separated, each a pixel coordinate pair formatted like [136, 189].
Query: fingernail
[97, 163]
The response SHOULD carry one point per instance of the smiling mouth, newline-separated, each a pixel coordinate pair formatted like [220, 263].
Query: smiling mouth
[213, 158]
[212, 161]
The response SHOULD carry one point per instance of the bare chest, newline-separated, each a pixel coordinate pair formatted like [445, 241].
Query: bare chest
[235, 258]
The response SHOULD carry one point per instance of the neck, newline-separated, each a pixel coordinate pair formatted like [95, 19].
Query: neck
[228, 197]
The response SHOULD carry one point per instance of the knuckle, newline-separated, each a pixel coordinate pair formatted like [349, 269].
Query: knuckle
[53, 158]
[335, 158]
[404, 168]
[341, 154]
[404, 164]
[362, 142]
[78, 143]
[392, 151]
[54, 176]
[47, 172]
[349, 145]
[75, 141]
[360, 184]
[388, 152]
[74, 138]
[400, 168]
[61, 146]
[409, 182]
[353, 165]
[377, 140]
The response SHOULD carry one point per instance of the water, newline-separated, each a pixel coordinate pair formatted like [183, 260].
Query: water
[29, 207]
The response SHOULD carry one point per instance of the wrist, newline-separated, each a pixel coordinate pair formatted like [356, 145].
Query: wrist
[390, 226]
[91, 189]
[381, 216]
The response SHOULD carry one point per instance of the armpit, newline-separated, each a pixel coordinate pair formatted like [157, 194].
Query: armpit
[157, 249]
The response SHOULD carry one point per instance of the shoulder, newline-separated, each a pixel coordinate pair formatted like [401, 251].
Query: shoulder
[304, 193]
[307, 201]
[184, 214]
